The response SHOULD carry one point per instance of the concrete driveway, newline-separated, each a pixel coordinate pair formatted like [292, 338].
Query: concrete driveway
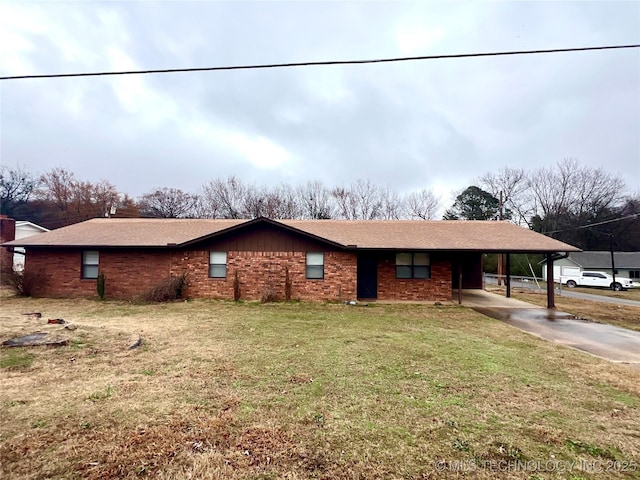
[606, 341]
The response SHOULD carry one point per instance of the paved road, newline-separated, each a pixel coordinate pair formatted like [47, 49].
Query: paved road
[567, 292]
[598, 298]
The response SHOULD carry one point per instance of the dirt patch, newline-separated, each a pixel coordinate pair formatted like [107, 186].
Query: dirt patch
[39, 339]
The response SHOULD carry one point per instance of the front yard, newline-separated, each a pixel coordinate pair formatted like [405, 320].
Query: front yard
[296, 391]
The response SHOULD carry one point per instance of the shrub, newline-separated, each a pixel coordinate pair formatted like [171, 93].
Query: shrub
[100, 281]
[171, 288]
[268, 294]
[23, 283]
[236, 286]
[287, 285]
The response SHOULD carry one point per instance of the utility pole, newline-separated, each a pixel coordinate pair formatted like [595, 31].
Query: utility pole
[500, 216]
[613, 263]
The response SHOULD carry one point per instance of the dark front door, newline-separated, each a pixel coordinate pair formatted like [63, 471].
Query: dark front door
[367, 277]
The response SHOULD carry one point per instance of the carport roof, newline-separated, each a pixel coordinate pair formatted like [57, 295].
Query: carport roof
[444, 235]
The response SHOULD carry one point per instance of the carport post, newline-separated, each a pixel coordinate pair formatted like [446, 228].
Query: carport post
[459, 282]
[551, 294]
[507, 280]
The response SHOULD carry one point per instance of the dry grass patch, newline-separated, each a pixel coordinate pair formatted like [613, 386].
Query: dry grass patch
[239, 391]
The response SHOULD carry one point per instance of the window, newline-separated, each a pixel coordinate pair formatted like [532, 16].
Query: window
[593, 275]
[634, 273]
[315, 265]
[90, 263]
[217, 264]
[413, 265]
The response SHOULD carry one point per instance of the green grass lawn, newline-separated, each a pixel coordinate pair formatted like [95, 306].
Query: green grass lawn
[296, 391]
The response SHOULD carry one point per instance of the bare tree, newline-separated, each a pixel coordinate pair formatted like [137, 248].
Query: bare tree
[224, 198]
[168, 203]
[253, 202]
[315, 201]
[62, 199]
[282, 202]
[391, 205]
[571, 195]
[362, 200]
[16, 188]
[105, 197]
[513, 183]
[58, 186]
[422, 205]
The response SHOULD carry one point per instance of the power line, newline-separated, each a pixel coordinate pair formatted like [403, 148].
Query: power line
[315, 64]
[634, 215]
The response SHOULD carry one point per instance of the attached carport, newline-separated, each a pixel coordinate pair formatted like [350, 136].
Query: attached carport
[465, 267]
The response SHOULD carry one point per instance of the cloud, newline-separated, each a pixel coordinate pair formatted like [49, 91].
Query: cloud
[431, 124]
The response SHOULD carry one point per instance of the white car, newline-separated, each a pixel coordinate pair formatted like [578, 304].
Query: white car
[597, 279]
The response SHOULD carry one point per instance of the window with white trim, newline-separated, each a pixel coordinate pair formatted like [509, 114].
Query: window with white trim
[315, 265]
[413, 265]
[90, 264]
[217, 264]
[635, 274]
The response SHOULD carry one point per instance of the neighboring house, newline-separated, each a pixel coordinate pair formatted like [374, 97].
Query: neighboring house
[331, 260]
[627, 264]
[24, 229]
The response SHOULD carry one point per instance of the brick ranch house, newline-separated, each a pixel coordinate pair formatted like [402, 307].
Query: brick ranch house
[331, 260]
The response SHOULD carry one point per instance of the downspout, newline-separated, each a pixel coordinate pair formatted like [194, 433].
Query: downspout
[507, 280]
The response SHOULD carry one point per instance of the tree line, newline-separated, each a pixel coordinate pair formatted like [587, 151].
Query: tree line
[587, 207]
[57, 198]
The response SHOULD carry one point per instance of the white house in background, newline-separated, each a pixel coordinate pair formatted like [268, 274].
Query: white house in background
[627, 264]
[24, 229]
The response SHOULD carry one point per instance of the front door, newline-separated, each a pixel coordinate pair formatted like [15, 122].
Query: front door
[367, 276]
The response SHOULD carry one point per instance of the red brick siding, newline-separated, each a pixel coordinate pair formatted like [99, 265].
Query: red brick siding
[7, 233]
[128, 272]
[58, 273]
[131, 272]
[258, 271]
[438, 287]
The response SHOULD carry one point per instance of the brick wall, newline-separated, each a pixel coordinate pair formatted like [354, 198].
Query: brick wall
[58, 273]
[129, 273]
[261, 271]
[438, 287]
[7, 233]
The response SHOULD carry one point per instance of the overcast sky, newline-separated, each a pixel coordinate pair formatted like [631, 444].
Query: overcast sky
[434, 124]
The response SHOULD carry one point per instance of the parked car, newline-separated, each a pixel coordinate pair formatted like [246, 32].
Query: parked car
[597, 279]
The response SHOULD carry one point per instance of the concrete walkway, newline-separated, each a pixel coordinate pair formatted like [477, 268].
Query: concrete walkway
[603, 340]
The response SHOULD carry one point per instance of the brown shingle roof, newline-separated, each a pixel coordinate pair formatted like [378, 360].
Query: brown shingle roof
[373, 234]
[128, 232]
[431, 235]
